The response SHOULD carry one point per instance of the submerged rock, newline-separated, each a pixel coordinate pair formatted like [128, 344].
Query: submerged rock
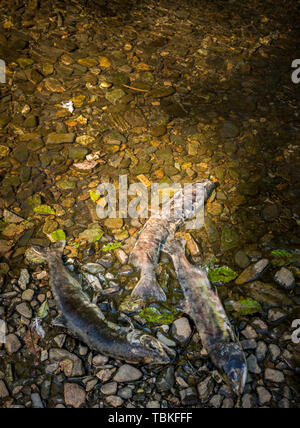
[253, 272]
[285, 279]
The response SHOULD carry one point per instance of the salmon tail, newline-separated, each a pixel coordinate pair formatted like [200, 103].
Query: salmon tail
[148, 289]
[55, 250]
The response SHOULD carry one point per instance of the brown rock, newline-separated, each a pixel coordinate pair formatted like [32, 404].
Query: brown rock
[75, 395]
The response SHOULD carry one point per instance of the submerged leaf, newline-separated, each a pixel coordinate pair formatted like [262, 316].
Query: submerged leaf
[57, 235]
[44, 210]
[111, 246]
[94, 195]
[221, 275]
[43, 310]
[280, 253]
[247, 307]
[152, 314]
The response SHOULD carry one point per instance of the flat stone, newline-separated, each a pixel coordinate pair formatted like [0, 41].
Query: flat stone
[127, 373]
[125, 393]
[261, 351]
[216, 401]
[36, 401]
[264, 395]
[229, 130]
[253, 366]
[114, 401]
[12, 344]
[53, 85]
[205, 389]
[230, 239]
[248, 401]
[274, 351]
[114, 95]
[241, 259]
[109, 388]
[253, 272]
[24, 279]
[114, 138]
[27, 295]
[25, 310]
[11, 217]
[60, 138]
[75, 395]
[162, 92]
[285, 278]
[275, 315]
[181, 330]
[274, 376]
[3, 390]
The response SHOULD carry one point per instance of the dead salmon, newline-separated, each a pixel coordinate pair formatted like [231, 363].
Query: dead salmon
[89, 324]
[205, 308]
[158, 229]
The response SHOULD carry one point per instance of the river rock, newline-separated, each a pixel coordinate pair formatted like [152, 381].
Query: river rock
[285, 278]
[127, 373]
[3, 390]
[61, 355]
[253, 272]
[274, 376]
[181, 330]
[60, 138]
[12, 344]
[75, 395]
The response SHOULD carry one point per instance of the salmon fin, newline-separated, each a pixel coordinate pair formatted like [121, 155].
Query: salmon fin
[60, 321]
[147, 289]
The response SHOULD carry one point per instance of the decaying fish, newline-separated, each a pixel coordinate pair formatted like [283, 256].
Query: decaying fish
[205, 308]
[157, 230]
[88, 323]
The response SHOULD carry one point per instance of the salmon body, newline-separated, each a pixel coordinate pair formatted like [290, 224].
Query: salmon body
[205, 308]
[88, 323]
[158, 229]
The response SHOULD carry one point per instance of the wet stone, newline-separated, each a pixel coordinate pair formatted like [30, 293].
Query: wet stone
[12, 344]
[229, 239]
[109, 388]
[24, 310]
[181, 330]
[274, 352]
[36, 401]
[60, 138]
[264, 396]
[75, 395]
[261, 351]
[24, 279]
[188, 396]
[253, 272]
[166, 380]
[27, 295]
[216, 401]
[205, 389]
[274, 376]
[114, 401]
[125, 393]
[115, 95]
[285, 279]
[275, 315]
[253, 365]
[248, 401]
[114, 138]
[241, 259]
[3, 390]
[127, 373]
[77, 152]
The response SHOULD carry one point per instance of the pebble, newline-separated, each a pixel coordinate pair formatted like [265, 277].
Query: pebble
[264, 395]
[75, 395]
[216, 401]
[3, 390]
[62, 355]
[12, 344]
[165, 340]
[181, 330]
[261, 351]
[285, 278]
[253, 365]
[125, 393]
[275, 376]
[205, 389]
[109, 388]
[274, 351]
[166, 380]
[24, 310]
[153, 405]
[36, 401]
[247, 401]
[24, 279]
[275, 315]
[127, 373]
[27, 295]
[114, 401]
[249, 333]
